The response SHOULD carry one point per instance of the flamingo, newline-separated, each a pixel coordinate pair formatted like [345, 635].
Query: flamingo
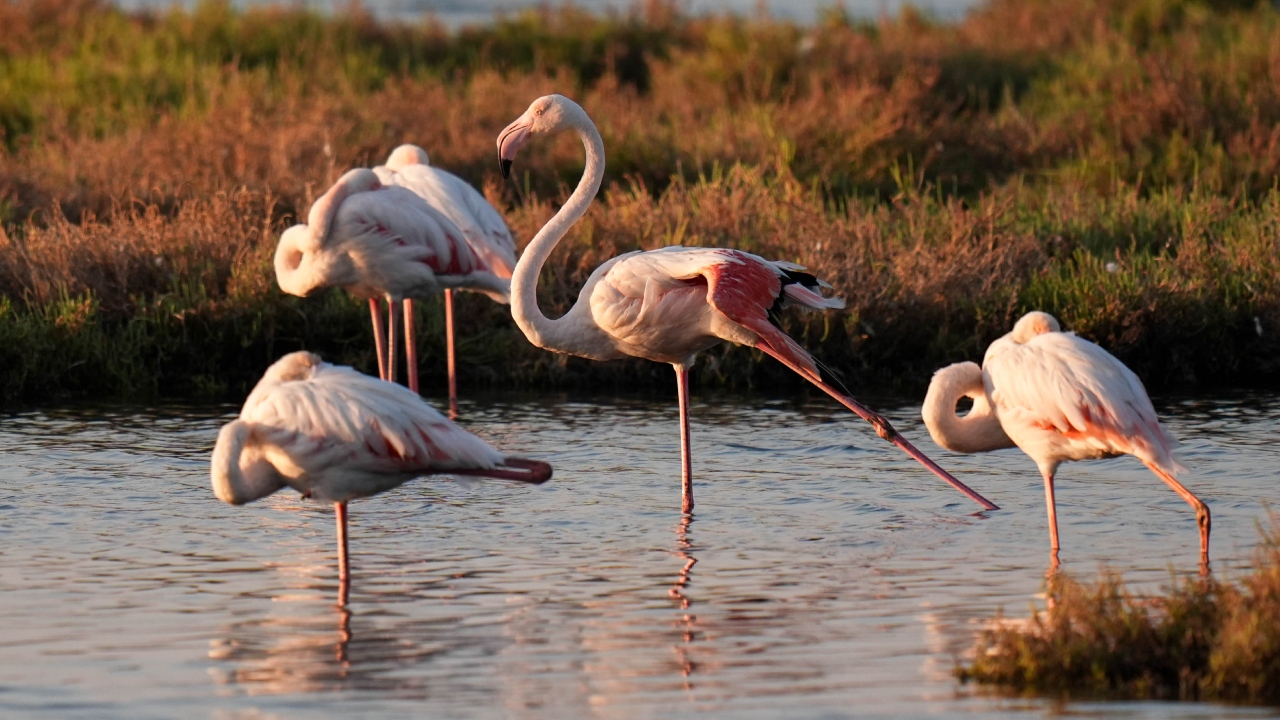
[380, 240]
[486, 233]
[1057, 397]
[669, 304]
[335, 435]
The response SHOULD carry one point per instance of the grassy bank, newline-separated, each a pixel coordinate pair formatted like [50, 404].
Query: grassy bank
[1114, 163]
[1201, 639]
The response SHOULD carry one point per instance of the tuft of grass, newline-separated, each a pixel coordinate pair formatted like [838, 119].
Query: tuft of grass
[1202, 639]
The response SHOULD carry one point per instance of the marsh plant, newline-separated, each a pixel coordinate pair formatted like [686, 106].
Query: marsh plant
[1113, 163]
[1200, 639]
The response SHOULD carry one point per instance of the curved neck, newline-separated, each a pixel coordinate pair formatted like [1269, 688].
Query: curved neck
[541, 330]
[979, 430]
[230, 483]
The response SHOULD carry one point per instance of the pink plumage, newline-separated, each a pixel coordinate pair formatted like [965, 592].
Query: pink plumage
[667, 305]
[1058, 397]
[335, 435]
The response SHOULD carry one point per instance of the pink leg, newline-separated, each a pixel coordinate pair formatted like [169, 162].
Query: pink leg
[448, 339]
[411, 344]
[1052, 506]
[379, 337]
[1202, 513]
[686, 461]
[882, 426]
[393, 331]
[344, 573]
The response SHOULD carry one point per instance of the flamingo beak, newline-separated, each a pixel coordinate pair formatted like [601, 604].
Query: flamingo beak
[510, 142]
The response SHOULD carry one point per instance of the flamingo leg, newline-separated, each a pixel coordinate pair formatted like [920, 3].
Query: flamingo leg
[1051, 505]
[344, 573]
[410, 344]
[393, 331]
[448, 341]
[686, 460]
[379, 337]
[1203, 518]
[882, 426]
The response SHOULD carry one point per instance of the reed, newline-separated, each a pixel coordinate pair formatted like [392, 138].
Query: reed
[1111, 162]
[1200, 639]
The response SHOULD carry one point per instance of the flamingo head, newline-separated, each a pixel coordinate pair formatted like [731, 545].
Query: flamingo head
[407, 155]
[293, 367]
[547, 115]
[1032, 324]
[304, 267]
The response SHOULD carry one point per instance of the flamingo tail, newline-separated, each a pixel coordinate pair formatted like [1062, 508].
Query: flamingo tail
[534, 472]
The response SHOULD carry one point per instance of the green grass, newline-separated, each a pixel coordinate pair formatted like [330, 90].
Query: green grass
[1112, 162]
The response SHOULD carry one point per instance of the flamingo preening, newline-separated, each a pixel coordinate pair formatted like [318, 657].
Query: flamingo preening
[485, 231]
[1057, 397]
[667, 305]
[334, 435]
[385, 240]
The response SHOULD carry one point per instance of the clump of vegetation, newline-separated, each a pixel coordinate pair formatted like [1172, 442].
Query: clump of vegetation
[1202, 639]
[1109, 161]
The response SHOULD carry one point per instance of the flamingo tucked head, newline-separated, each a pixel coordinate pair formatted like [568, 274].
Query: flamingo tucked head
[305, 260]
[294, 366]
[547, 115]
[407, 155]
[303, 268]
[1032, 324]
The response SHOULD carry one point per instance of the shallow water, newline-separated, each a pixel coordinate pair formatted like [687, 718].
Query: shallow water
[823, 575]
[455, 13]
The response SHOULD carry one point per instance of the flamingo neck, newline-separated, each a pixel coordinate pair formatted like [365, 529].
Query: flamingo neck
[230, 483]
[979, 430]
[563, 334]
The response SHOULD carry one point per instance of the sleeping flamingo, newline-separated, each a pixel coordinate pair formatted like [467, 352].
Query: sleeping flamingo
[484, 229]
[377, 240]
[667, 305]
[335, 435]
[1058, 397]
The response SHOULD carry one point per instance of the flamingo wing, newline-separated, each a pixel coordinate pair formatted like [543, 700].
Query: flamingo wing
[663, 290]
[1060, 382]
[393, 223]
[338, 416]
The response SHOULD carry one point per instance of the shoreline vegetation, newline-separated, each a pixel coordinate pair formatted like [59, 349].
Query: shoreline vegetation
[1113, 163]
[1200, 639]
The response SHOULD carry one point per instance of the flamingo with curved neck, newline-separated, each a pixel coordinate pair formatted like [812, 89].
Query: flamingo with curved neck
[667, 305]
[1057, 397]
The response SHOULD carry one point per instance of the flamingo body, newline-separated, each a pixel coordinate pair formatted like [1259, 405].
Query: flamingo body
[484, 229]
[379, 241]
[1058, 397]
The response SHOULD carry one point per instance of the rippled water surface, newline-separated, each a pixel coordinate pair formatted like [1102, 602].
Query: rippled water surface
[823, 575]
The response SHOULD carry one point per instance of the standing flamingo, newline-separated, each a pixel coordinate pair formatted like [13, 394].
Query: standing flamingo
[667, 305]
[334, 434]
[484, 229]
[1058, 397]
[380, 240]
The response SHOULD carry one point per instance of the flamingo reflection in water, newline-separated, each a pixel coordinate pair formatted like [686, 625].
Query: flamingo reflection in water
[335, 435]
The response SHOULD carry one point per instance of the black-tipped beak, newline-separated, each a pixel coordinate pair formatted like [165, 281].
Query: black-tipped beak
[510, 142]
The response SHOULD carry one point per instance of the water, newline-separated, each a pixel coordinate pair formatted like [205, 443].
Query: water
[456, 13]
[833, 577]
